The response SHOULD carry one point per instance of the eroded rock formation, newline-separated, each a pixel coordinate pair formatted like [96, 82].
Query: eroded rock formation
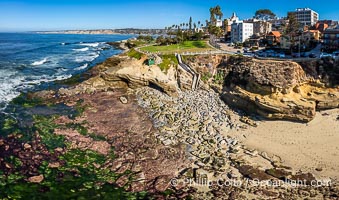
[135, 74]
[276, 90]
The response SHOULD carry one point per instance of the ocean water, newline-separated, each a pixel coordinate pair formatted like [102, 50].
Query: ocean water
[29, 60]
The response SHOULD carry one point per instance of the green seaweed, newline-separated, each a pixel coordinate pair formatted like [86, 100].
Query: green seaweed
[26, 101]
[45, 127]
[83, 131]
[82, 174]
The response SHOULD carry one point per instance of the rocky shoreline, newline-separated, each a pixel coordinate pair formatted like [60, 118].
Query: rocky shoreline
[169, 142]
[219, 162]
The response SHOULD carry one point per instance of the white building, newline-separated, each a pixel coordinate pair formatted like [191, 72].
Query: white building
[306, 16]
[260, 27]
[233, 18]
[241, 31]
[218, 23]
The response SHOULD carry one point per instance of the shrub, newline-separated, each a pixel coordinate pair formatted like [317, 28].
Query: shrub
[135, 54]
[167, 61]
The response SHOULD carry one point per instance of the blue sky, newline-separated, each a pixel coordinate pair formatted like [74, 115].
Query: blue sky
[29, 15]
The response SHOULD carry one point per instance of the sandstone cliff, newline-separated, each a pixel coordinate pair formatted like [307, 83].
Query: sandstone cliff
[273, 89]
[135, 74]
[276, 90]
[126, 72]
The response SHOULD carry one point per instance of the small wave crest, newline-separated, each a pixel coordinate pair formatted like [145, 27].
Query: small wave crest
[40, 62]
[90, 44]
[81, 50]
[88, 58]
[81, 67]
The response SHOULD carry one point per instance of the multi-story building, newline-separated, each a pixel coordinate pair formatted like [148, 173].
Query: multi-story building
[273, 38]
[278, 24]
[241, 31]
[331, 39]
[218, 23]
[285, 42]
[261, 27]
[227, 29]
[230, 21]
[306, 16]
[311, 35]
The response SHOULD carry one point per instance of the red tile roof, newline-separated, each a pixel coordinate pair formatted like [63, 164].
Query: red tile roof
[275, 33]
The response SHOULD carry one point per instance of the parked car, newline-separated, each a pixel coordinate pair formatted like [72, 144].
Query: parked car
[304, 55]
[260, 53]
[312, 55]
[296, 55]
[335, 55]
[270, 53]
[324, 55]
[281, 55]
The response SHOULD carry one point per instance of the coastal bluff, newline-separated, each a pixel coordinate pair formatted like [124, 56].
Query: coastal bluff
[124, 72]
[272, 89]
[162, 129]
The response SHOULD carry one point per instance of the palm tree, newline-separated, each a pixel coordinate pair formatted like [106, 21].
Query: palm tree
[190, 24]
[215, 12]
[218, 12]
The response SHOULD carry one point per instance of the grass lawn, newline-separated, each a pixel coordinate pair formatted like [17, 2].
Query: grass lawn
[192, 46]
[139, 43]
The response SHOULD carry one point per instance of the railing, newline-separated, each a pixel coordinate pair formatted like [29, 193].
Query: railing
[195, 76]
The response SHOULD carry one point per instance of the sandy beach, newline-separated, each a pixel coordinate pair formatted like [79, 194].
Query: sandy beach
[309, 147]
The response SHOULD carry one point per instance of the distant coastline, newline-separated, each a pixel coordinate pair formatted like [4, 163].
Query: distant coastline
[106, 31]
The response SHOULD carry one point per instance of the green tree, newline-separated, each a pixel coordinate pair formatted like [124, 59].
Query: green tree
[215, 13]
[214, 30]
[190, 24]
[292, 28]
[264, 14]
[225, 25]
[213, 20]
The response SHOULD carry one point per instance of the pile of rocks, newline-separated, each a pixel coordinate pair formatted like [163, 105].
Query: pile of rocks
[198, 119]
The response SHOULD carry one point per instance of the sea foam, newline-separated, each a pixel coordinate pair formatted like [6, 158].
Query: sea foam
[40, 62]
[81, 67]
[88, 58]
[90, 44]
[81, 50]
